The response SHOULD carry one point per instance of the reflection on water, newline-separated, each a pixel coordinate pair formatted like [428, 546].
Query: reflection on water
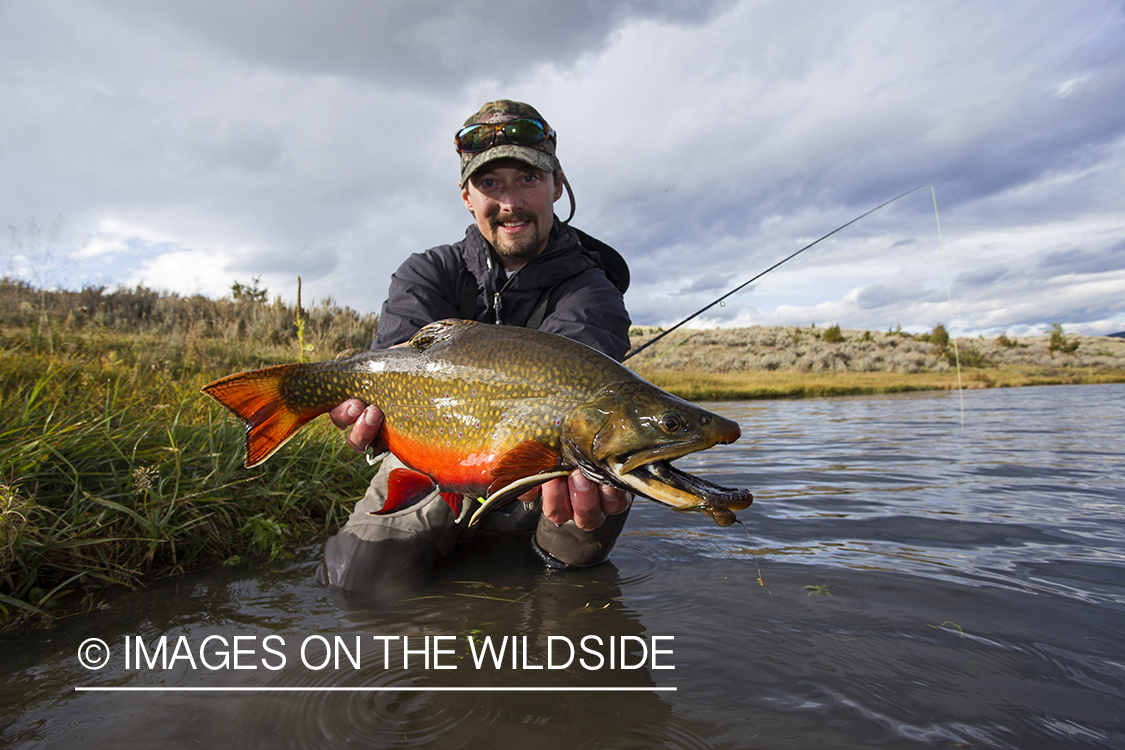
[922, 583]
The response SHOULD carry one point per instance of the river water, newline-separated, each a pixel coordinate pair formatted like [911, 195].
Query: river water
[916, 571]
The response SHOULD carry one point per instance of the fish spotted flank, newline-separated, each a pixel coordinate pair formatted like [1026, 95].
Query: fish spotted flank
[492, 411]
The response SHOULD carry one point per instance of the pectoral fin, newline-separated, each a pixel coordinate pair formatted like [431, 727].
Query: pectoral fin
[525, 460]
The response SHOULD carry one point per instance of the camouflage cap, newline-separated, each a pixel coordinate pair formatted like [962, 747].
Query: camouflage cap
[541, 155]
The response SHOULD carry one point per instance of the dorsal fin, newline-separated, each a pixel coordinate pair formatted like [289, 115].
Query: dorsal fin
[435, 332]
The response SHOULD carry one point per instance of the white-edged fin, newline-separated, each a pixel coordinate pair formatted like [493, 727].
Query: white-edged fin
[515, 488]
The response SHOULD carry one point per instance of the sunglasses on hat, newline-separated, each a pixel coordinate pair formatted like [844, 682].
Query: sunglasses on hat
[525, 131]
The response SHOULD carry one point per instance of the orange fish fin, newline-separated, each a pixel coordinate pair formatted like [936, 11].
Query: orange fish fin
[256, 398]
[525, 460]
[405, 486]
[453, 500]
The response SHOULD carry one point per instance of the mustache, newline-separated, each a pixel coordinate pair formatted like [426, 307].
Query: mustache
[517, 217]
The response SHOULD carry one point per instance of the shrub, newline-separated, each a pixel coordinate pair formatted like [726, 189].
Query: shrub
[1059, 341]
[252, 292]
[1005, 342]
[832, 335]
[939, 337]
[968, 357]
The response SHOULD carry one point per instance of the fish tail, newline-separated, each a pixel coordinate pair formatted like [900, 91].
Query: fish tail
[258, 399]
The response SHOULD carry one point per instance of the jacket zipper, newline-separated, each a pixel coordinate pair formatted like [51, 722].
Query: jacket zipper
[497, 304]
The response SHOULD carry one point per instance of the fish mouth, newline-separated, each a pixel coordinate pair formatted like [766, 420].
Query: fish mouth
[661, 481]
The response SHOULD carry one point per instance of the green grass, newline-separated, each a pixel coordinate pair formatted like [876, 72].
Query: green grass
[115, 469]
[695, 385]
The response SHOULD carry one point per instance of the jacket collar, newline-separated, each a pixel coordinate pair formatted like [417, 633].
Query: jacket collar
[562, 258]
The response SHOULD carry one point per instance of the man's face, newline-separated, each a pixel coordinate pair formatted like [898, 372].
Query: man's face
[513, 204]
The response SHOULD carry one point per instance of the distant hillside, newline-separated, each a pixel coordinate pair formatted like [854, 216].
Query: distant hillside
[825, 350]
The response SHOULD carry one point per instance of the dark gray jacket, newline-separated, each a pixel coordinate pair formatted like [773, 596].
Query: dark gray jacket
[449, 280]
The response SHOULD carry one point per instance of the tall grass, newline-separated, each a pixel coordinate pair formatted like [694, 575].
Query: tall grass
[247, 317]
[114, 469]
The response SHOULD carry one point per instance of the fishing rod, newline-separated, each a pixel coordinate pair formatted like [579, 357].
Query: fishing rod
[781, 262]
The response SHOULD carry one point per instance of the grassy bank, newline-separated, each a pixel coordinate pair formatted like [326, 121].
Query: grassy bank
[115, 470]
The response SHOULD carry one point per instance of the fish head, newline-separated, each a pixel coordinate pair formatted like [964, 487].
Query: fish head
[632, 431]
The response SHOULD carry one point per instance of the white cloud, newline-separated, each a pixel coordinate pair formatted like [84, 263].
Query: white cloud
[185, 271]
[191, 144]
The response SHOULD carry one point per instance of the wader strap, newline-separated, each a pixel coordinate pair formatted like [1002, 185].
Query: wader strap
[468, 306]
[540, 311]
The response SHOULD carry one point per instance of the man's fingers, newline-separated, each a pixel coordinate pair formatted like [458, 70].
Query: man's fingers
[556, 501]
[586, 502]
[365, 429]
[347, 413]
[614, 501]
[583, 500]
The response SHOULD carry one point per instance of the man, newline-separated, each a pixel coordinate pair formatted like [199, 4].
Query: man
[518, 265]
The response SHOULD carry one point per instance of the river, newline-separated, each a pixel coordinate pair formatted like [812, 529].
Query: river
[929, 570]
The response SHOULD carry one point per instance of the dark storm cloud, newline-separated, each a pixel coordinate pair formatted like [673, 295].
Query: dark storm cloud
[434, 43]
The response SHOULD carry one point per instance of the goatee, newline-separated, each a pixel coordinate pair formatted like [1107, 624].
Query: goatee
[518, 249]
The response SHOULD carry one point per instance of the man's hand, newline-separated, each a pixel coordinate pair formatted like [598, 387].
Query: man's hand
[367, 421]
[577, 497]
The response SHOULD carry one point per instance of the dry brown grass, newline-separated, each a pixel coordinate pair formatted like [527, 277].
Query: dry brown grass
[55, 315]
[781, 362]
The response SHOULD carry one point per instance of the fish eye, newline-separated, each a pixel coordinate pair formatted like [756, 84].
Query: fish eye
[671, 423]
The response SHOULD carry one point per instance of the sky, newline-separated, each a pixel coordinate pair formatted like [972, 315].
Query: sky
[189, 144]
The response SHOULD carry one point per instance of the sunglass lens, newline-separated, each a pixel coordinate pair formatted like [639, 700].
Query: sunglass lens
[475, 138]
[525, 132]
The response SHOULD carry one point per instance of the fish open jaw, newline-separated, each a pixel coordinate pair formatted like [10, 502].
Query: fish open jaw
[661, 481]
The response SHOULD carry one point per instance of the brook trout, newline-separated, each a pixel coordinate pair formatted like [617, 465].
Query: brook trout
[493, 411]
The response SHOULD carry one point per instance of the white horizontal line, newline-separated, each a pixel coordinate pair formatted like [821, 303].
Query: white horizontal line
[392, 689]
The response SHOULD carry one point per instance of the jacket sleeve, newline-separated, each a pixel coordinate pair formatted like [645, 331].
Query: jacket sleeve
[424, 289]
[591, 310]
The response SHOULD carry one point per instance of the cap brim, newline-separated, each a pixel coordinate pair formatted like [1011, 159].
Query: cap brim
[528, 155]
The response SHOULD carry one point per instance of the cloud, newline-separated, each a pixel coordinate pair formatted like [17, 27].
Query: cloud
[113, 237]
[430, 43]
[1084, 261]
[705, 141]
